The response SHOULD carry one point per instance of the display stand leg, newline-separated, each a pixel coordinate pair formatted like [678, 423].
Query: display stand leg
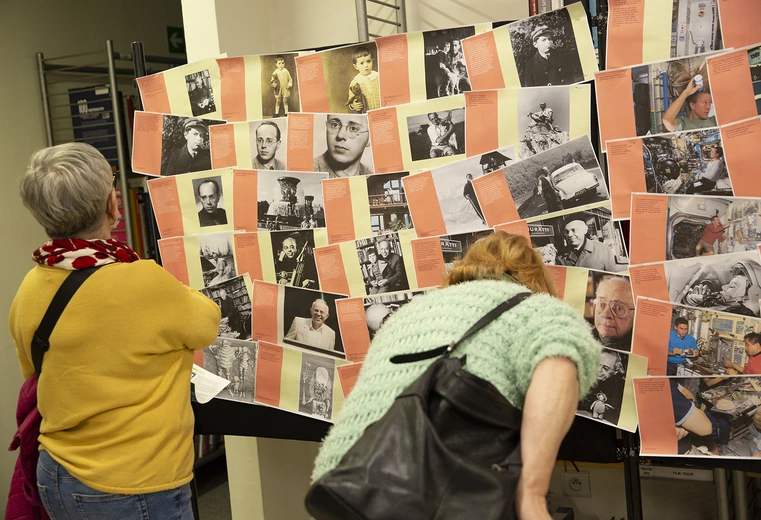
[631, 477]
[740, 498]
[722, 501]
[194, 499]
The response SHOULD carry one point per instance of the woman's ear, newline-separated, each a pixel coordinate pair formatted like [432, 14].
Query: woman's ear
[113, 206]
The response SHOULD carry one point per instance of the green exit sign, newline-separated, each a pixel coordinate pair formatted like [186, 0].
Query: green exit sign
[176, 39]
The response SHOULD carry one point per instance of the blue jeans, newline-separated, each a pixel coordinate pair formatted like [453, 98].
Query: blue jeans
[66, 498]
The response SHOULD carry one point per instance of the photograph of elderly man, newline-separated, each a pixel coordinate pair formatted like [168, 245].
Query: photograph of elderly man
[614, 313]
[312, 331]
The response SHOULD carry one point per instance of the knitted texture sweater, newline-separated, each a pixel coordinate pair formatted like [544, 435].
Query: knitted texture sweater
[505, 352]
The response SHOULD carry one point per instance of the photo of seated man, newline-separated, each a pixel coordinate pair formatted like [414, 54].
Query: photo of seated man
[382, 265]
[435, 134]
[681, 346]
[294, 259]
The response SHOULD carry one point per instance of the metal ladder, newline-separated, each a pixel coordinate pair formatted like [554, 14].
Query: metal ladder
[363, 19]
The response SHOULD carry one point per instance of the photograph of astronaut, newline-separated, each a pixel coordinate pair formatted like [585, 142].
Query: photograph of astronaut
[686, 162]
[729, 283]
[234, 360]
[316, 386]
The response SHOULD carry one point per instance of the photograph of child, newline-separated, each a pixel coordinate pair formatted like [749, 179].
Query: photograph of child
[280, 89]
[234, 360]
[200, 93]
[352, 79]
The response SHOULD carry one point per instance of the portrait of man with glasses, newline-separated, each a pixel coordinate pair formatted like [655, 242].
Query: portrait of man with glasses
[347, 139]
[613, 312]
[267, 139]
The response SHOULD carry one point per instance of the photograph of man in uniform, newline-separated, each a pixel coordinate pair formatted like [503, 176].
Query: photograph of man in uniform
[347, 138]
[209, 195]
[585, 252]
[312, 331]
[192, 154]
[267, 144]
[614, 313]
[545, 50]
[470, 194]
[294, 259]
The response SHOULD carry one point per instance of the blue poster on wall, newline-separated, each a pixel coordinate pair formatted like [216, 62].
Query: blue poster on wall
[93, 119]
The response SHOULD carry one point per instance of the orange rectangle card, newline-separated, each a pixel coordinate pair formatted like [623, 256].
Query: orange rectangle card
[353, 324]
[615, 107]
[247, 254]
[269, 368]
[732, 87]
[652, 327]
[173, 258]
[393, 70]
[245, 195]
[265, 309]
[495, 198]
[519, 227]
[741, 142]
[222, 142]
[740, 20]
[232, 77]
[429, 262]
[424, 205]
[312, 88]
[649, 281]
[648, 228]
[153, 94]
[482, 61]
[166, 206]
[336, 196]
[626, 171]
[384, 137]
[481, 122]
[146, 143]
[348, 375]
[625, 33]
[559, 274]
[300, 154]
[656, 416]
[330, 268]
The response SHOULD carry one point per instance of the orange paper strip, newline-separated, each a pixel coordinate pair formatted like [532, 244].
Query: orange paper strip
[247, 255]
[264, 312]
[648, 228]
[330, 269]
[173, 258]
[429, 262]
[232, 74]
[656, 416]
[222, 139]
[269, 367]
[166, 206]
[423, 204]
[245, 192]
[393, 70]
[314, 95]
[481, 122]
[651, 334]
[615, 106]
[300, 155]
[495, 198]
[146, 143]
[354, 333]
[384, 137]
[649, 281]
[336, 195]
[741, 142]
[482, 61]
[732, 87]
[348, 375]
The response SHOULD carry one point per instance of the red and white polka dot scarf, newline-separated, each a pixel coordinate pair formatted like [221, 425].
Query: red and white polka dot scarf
[76, 253]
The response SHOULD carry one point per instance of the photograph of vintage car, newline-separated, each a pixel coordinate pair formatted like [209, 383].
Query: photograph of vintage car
[564, 177]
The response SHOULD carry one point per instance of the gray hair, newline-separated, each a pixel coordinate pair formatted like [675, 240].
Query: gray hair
[66, 188]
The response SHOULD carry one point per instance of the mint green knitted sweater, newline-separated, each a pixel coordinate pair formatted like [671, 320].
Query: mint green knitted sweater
[504, 353]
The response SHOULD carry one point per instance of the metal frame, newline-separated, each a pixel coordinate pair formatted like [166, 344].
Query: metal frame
[363, 18]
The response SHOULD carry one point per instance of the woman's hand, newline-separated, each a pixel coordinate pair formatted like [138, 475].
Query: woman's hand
[669, 117]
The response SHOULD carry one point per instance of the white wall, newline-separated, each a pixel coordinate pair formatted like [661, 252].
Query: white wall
[54, 28]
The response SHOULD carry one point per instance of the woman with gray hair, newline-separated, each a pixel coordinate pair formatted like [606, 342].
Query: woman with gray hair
[116, 433]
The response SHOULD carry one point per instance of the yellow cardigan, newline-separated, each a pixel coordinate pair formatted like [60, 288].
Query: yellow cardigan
[114, 392]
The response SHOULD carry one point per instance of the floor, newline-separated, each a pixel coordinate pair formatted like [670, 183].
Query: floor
[213, 491]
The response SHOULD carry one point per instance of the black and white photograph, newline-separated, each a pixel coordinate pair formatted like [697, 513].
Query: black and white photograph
[316, 386]
[185, 144]
[341, 145]
[310, 321]
[269, 144]
[754, 60]
[381, 263]
[457, 196]
[437, 134]
[547, 121]
[545, 50]
[454, 246]
[604, 400]
[389, 211]
[686, 163]
[279, 85]
[380, 307]
[564, 177]
[609, 309]
[728, 283]
[217, 259]
[351, 78]
[290, 200]
[705, 226]
[445, 72]
[293, 255]
[210, 201]
[234, 360]
[587, 238]
[235, 303]
[200, 93]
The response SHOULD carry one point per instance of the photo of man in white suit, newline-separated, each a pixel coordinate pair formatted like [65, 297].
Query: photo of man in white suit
[313, 331]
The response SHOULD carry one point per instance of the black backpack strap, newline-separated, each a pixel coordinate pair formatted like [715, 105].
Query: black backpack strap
[41, 339]
[490, 316]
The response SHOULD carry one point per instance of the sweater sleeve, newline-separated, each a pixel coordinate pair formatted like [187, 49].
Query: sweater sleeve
[556, 330]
